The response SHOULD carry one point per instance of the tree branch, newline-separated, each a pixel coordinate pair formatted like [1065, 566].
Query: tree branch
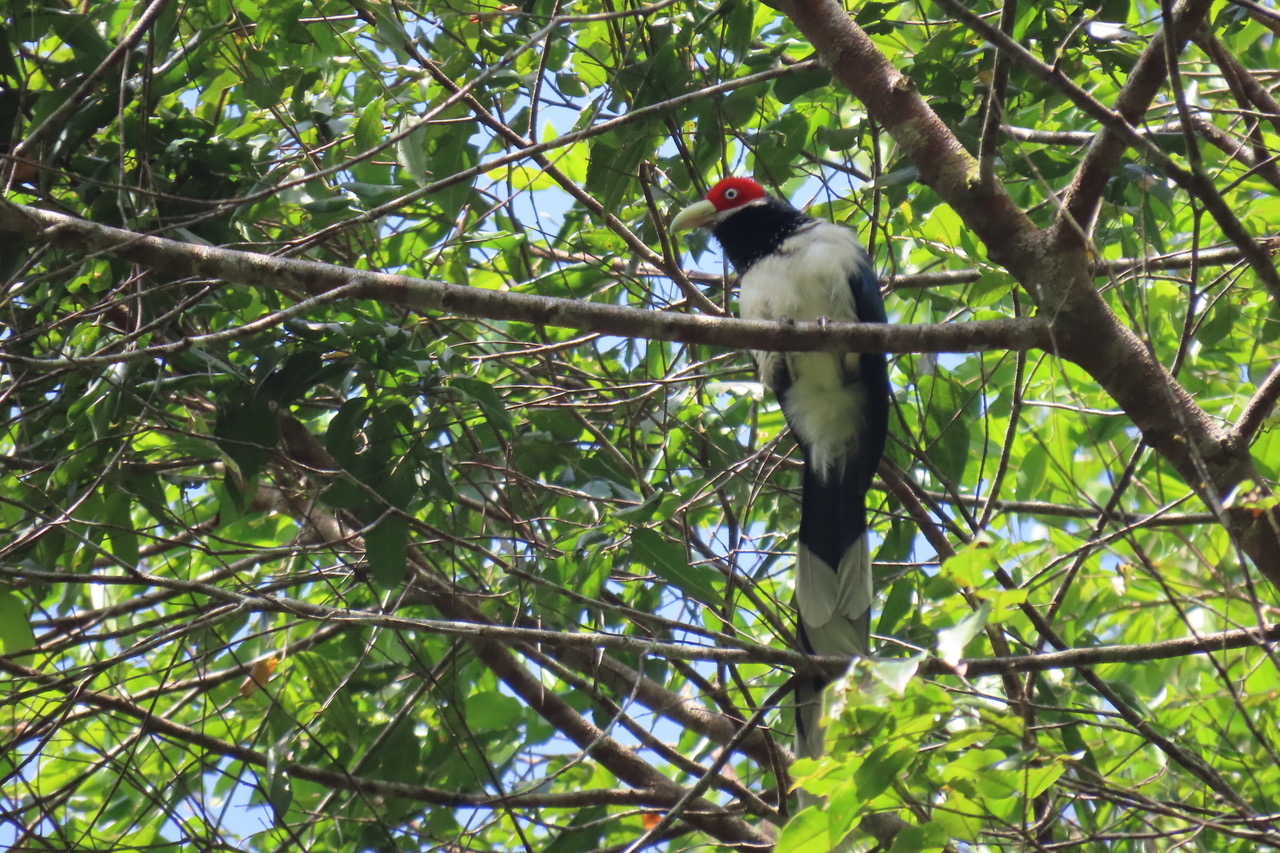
[318, 279]
[1081, 200]
[1242, 638]
[1079, 205]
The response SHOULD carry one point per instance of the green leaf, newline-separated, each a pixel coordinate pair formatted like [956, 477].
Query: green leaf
[399, 753]
[946, 430]
[969, 565]
[368, 128]
[347, 494]
[344, 427]
[881, 766]
[739, 28]
[929, 837]
[615, 161]
[643, 511]
[279, 787]
[1030, 475]
[952, 641]
[411, 151]
[584, 832]
[897, 673]
[329, 690]
[387, 545]
[898, 602]
[836, 138]
[483, 395]
[15, 628]
[960, 817]
[781, 140]
[492, 711]
[1038, 779]
[265, 90]
[78, 32]
[793, 85]
[299, 373]
[589, 576]
[400, 485]
[805, 833]
[667, 560]
[247, 432]
[120, 528]
[1217, 324]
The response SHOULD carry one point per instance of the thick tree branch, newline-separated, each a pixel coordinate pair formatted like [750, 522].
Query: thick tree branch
[317, 280]
[1257, 410]
[1118, 126]
[1081, 200]
[993, 112]
[1243, 84]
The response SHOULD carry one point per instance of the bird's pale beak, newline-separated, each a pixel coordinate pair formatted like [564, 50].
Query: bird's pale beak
[700, 214]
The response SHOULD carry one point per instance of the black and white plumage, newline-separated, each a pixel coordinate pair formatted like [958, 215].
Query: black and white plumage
[795, 267]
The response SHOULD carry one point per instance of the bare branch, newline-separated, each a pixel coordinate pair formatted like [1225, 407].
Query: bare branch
[319, 279]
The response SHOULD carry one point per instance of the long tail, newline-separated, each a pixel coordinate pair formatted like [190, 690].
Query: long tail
[833, 584]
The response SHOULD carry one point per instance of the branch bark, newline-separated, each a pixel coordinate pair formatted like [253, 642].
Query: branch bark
[320, 280]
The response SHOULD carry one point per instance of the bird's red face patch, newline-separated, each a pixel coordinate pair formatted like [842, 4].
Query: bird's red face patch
[734, 192]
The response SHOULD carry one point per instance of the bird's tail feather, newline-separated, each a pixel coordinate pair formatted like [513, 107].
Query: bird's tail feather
[845, 632]
[833, 596]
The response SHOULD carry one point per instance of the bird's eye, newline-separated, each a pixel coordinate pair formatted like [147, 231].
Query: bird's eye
[730, 194]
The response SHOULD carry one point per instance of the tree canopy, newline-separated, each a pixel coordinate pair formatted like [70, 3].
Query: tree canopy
[378, 473]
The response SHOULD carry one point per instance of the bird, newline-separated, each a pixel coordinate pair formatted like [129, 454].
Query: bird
[794, 267]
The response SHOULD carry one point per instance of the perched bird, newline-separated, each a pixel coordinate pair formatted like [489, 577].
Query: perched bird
[794, 267]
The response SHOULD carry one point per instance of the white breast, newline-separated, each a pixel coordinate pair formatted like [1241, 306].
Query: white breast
[808, 279]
